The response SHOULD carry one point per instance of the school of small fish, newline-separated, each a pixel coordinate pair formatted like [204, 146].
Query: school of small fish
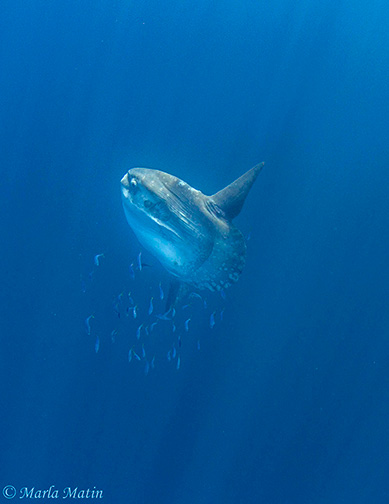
[155, 324]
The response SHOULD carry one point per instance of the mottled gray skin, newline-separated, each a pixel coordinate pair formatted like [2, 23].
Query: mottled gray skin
[189, 233]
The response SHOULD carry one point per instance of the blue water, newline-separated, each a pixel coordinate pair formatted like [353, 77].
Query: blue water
[287, 400]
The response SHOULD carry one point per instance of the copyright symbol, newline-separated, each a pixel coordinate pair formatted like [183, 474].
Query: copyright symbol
[9, 492]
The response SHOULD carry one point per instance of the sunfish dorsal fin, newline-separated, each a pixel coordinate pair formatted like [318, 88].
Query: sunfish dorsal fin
[230, 199]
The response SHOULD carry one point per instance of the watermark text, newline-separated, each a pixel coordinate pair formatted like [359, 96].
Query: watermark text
[10, 492]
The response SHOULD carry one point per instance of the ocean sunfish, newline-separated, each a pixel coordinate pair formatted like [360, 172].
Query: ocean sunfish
[191, 234]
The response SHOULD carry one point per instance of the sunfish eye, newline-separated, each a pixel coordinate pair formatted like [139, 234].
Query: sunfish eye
[133, 182]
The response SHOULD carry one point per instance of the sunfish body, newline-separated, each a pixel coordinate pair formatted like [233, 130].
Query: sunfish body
[191, 234]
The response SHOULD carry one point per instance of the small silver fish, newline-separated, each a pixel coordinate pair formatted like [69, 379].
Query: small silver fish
[169, 315]
[136, 355]
[147, 368]
[97, 344]
[143, 351]
[178, 363]
[113, 335]
[221, 314]
[151, 307]
[132, 272]
[173, 327]
[223, 293]
[130, 355]
[134, 311]
[212, 320]
[152, 326]
[153, 362]
[87, 324]
[97, 259]
[187, 324]
[195, 295]
[140, 261]
[174, 352]
[138, 331]
[161, 294]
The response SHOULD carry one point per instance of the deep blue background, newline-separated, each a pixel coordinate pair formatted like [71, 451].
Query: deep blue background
[286, 403]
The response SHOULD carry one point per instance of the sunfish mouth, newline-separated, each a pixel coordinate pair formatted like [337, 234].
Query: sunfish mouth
[125, 181]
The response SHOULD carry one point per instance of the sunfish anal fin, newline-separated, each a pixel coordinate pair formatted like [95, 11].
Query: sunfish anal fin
[172, 295]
